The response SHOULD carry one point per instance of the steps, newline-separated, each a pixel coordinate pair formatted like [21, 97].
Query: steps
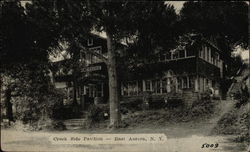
[189, 97]
[73, 124]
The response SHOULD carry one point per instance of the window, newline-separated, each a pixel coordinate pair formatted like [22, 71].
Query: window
[216, 58]
[168, 56]
[88, 58]
[191, 82]
[125, 89]
[132, 88]
[181, 53]
[190, 52]
[201, 84]
[78, 92]
[209, 54]
[212, 59]
[204, 53]
[140, 87]
[147, 84]
[175, 55]
[156, 85]
[200, 53]
[95, 59]
[90, 42]
[184, 82]
[86, 90]
[91, 91]
[179, 83]
[164, 86]
[99, 90]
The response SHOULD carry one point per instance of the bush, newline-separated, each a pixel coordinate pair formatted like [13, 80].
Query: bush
[235, 121]
[61, 112]
[53, 125]
[58, 125]
[174, 103]
[242, 98]
[135, 105]
[97, 113]
[32, 115]
[243, 137]
[199, 110]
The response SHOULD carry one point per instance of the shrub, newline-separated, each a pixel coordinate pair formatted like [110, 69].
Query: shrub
[97, 113]
[174, 103]
[61, 112]
[58, 125]
[243, 137]
[135, 105]
[241, 97]
[30, 115]
[53, 125]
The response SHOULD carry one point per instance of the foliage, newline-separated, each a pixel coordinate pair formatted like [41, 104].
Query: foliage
[156, 33]
[122, 20]
[227, 22]
[28, 36]
[135, 105]
[97, 114]
[58, 125]
[242, 96]
[62, 112]
[235, 122]
[25, 39]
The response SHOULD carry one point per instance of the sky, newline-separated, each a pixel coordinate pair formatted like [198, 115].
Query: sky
[177, 4]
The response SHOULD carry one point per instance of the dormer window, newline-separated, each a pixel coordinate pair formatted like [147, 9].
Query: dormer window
[90, 42]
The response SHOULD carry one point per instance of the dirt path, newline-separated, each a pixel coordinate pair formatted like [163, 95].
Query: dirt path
[182, 137]
[224, 107]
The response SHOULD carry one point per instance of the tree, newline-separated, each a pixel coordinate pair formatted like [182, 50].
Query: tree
[118, 20]
[48, 23]
[156, 34]
[126, 19]
[24, 54]
[110, 17]
[227, 22]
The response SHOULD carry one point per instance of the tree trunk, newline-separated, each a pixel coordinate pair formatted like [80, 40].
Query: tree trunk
[74, 91]
[8, 104]
[113, 84]
[1, 88]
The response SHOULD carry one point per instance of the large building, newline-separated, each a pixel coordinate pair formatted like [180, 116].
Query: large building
[88, 81]
[185, 74]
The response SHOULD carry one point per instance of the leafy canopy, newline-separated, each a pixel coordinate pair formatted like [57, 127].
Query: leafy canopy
[227, 22]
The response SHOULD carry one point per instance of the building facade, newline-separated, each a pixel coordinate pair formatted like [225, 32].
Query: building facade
[185, 74]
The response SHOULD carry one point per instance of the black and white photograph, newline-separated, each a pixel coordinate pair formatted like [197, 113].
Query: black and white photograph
[124, 76]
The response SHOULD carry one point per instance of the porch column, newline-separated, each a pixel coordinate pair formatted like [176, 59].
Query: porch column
[196, 84]
[176, 84]
[168, 85]
[143, 85]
